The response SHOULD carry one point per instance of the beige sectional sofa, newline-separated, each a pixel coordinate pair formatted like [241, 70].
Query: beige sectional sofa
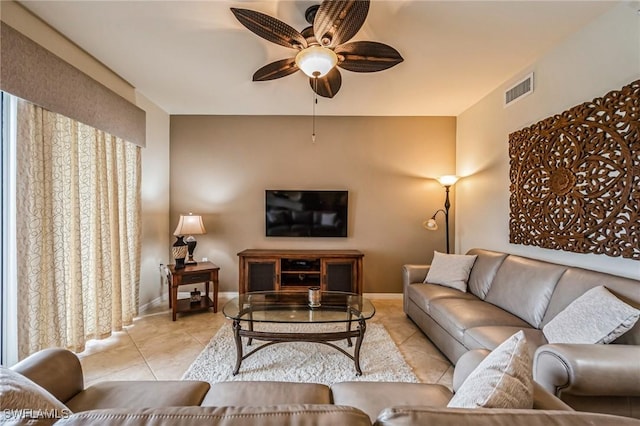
[507, 293]
[274, 403]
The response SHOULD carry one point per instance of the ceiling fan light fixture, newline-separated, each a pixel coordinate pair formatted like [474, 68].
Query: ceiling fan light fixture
[316, 61]
[323, 47]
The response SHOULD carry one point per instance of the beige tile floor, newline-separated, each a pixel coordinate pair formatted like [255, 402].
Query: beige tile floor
[156, 348]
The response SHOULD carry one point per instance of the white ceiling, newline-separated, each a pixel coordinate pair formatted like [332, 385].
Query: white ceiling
[194, 57]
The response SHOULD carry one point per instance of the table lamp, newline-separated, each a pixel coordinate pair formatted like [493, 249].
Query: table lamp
[189, 225]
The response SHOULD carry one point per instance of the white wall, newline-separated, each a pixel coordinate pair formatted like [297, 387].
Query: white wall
[155, 202]
[603, 56]
[22, 20]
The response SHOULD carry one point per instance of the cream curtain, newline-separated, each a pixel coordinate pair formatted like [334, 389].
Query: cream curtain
[78, 231]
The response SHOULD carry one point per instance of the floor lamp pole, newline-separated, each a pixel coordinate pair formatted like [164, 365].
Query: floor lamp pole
[447, 205]
[431, 225]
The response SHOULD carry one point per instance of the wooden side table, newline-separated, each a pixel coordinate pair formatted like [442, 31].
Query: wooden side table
[203, 272]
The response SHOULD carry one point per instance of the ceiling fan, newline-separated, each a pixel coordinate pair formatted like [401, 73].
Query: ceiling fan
[322, 46]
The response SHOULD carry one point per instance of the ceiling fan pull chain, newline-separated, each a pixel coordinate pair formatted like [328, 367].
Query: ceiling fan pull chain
[315, 101]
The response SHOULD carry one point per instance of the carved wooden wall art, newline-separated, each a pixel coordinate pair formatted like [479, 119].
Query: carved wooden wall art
[575, 178]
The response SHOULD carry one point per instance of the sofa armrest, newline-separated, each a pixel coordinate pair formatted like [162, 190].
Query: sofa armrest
[542, 399]
[414, 274]
[466, 364]
[583, 369]
[57, 370]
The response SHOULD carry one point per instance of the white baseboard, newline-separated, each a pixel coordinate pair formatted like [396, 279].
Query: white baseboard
[391, 296]
[228, 295]
[164, 300]
[158, 301]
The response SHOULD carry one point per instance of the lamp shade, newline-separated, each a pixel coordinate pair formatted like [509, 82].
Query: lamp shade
[448, 180]
[316, 61]
[190, 225]
[430, 225]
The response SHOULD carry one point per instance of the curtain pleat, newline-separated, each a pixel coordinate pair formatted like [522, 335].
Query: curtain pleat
[78, 231]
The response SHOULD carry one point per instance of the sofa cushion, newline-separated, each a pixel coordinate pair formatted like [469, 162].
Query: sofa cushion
[423, 294]
[269, 415]
[450, 270]
[490, 336]
[132, 394]
[595, 317]
[457, 315]
[20, 393]
[373, 397]
[504, 379]
[266, 393]
[513, 288]
[484, 270]
[449, 346]
[577, 281]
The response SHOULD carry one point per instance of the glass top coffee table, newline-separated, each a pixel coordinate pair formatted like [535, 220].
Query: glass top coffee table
[293, 308]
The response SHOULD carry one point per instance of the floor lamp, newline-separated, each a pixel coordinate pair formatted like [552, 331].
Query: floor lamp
[431, 224]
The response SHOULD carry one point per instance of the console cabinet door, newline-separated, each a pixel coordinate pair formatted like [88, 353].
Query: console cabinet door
[261, 275]
[340, 275]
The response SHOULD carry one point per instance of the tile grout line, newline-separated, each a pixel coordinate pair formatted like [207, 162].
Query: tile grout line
[441, 376]
[144, 358]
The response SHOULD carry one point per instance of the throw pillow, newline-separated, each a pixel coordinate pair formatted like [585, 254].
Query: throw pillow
[504, 379]
[30, 399]
[450, 270]
[595, 317]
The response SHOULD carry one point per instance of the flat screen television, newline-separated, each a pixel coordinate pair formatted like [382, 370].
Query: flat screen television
[308, 213]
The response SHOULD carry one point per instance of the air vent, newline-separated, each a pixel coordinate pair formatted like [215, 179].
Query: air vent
[519, 90]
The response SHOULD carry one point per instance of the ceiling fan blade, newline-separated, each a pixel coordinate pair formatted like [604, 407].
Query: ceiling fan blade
[270, 28]
[277, 69]
[338, 21]
[367, 56]
[328, 85]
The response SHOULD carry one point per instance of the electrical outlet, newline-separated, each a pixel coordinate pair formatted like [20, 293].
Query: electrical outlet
[205, 259]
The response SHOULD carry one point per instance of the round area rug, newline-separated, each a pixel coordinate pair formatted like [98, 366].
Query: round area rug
[380, 359]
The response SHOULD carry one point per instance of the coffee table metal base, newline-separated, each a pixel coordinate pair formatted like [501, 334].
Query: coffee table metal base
[278, 337]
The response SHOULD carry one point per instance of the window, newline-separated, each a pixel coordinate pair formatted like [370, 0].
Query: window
[8, 291]
[72, 203]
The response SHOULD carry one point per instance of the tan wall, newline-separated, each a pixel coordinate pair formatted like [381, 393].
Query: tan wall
[603, 56]
[221, 165]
